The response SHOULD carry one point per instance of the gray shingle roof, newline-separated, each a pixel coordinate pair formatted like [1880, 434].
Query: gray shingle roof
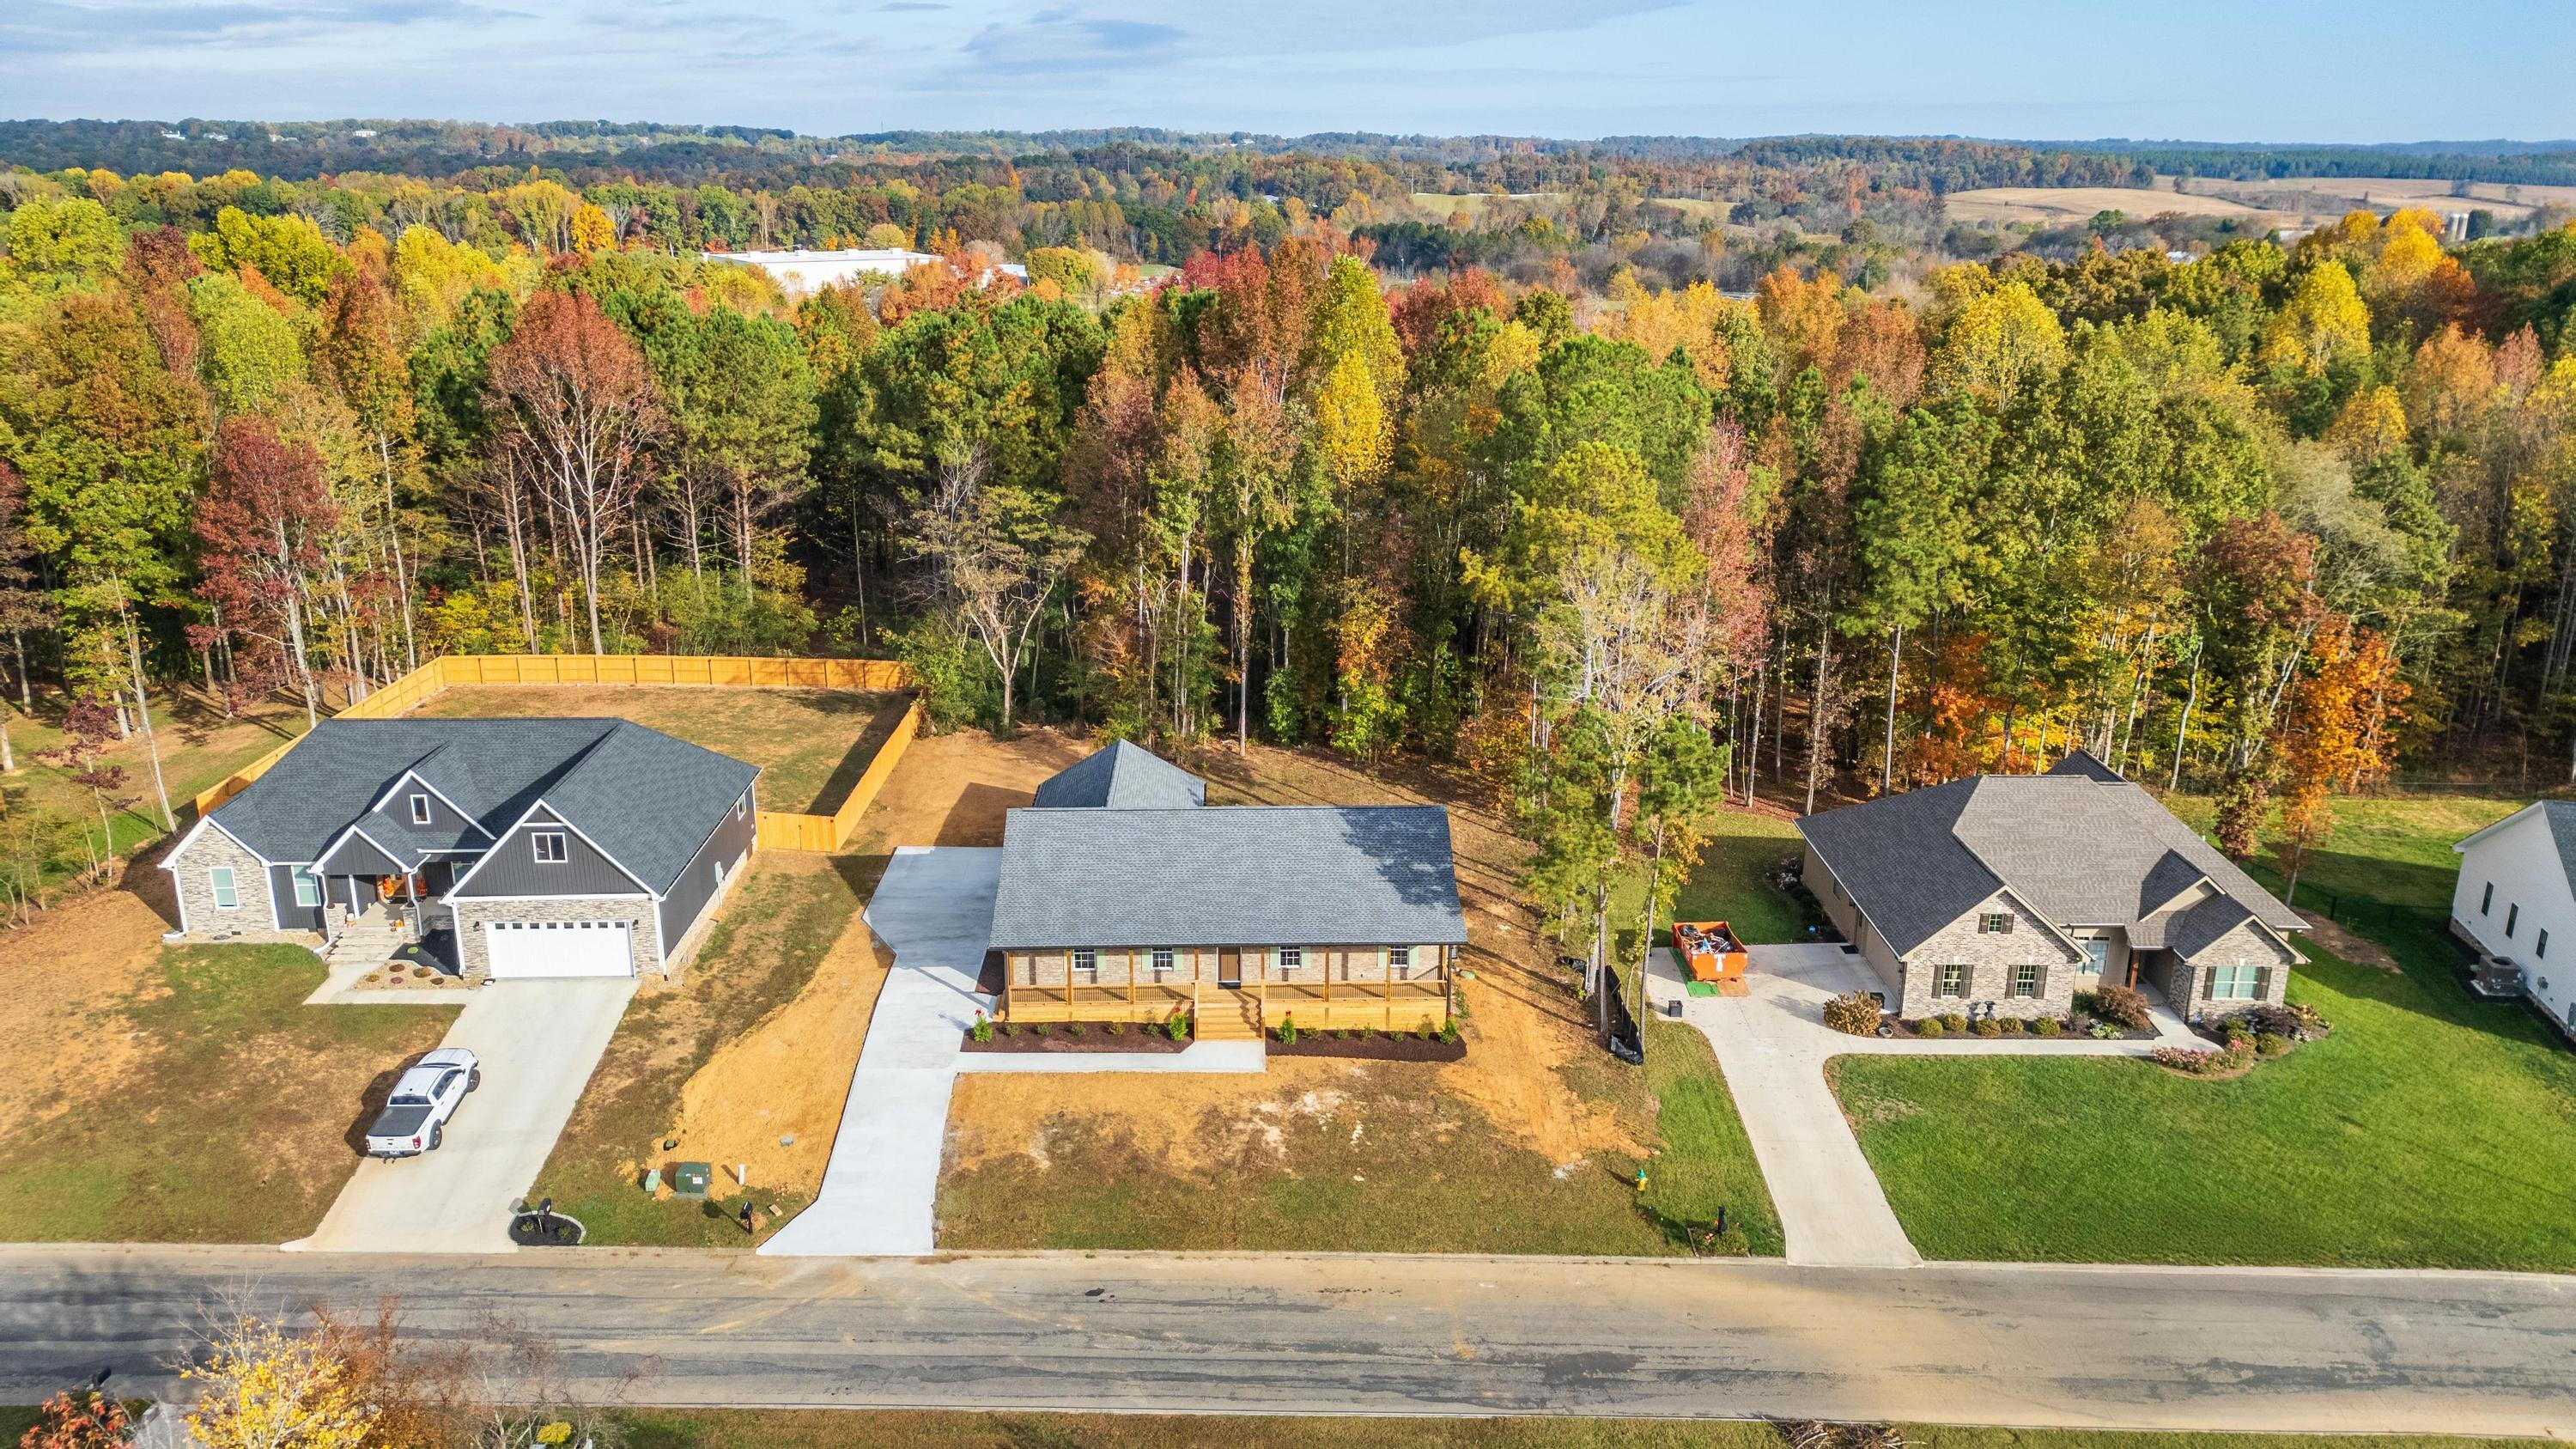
[644, 797]
[2080, 849]
[1250, 875]
[2561, 815]
[1122, 777]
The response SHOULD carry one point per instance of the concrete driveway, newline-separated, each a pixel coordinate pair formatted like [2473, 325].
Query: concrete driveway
[538, 1042]
[880, 1193]
[1773, 1044]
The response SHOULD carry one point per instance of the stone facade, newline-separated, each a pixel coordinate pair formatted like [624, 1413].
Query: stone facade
[192, 875]
[1192, 964]
[473, 951]
[1990, 959]
[2187, 982]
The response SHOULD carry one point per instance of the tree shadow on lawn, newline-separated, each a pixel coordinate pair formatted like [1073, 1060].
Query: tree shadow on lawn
[2355, 888]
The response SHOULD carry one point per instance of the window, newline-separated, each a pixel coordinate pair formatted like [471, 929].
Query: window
[1162, 961]
[1399, 959]
[1994, 924]
[1086, 961]
[742, 804]
[2512, 914]
[2097, 955]
[2486, 899]
[308, 887]
[420, 810]
[1954, 981]
[2236, 983]
[2025, 981]
[227, 894]
[550, 847]
[2540, 944]
[1290, 958]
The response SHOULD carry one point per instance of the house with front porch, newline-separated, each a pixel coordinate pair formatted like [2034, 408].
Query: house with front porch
[1124, 897]
[487, 847]
[2004, 895]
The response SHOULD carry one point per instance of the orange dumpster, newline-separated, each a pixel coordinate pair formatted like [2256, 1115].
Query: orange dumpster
[1709, 950]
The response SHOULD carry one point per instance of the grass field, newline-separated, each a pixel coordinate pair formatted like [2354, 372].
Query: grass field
[773, 934]
[2327, 197]
[1732, 883]
[230, 1115]
[811, 744]
[2430, 1130]
[2063, 205]
[828, 1429]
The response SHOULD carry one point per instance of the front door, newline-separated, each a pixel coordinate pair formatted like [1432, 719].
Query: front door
[1229, 967]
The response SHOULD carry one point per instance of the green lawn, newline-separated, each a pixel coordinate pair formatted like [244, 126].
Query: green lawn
[888, 1429]
[1393, 1166]
[239, 1122]
[773, 935]
[811, 744]
[2431, 1130]
[1732, 883]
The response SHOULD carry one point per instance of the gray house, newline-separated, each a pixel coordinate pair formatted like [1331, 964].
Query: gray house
[514, 847]
[1124, 897]
[2005, 895]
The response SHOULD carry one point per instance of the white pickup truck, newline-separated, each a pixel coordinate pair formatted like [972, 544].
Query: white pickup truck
[415, 1117]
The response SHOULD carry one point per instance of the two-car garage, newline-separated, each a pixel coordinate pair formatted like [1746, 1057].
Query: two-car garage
[559, 948]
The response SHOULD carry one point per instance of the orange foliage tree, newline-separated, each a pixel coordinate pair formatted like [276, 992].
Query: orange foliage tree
[2335, 735]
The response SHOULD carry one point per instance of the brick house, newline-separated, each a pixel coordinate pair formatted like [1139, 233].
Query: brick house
[2004, 895]
[491, 847]
[1124, 897]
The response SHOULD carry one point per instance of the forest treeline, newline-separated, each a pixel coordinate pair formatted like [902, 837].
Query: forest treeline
[2270, 521]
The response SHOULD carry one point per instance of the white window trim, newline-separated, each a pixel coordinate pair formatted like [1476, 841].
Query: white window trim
[298, 876]
[222, 881]
[412, 777]
[1279, 958]
[1163, 959]
[420, 814]
[1404, 965]
[537, 847]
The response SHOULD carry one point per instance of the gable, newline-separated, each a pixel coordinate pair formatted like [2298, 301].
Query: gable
[2031, 932]
[511, 866]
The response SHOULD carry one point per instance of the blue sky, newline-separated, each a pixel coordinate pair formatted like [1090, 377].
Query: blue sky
[2361, 70]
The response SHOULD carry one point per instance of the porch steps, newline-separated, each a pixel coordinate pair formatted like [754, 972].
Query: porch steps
[1223, 1021]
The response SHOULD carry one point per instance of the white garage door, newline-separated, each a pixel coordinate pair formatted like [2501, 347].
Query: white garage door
[559, 948]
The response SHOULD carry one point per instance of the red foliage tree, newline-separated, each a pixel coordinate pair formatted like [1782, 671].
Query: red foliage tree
[263, 520]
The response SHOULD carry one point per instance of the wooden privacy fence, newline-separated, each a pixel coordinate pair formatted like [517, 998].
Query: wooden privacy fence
[776, 830]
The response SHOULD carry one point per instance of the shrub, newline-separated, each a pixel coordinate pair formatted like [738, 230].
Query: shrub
[1038, 1028]
[1449, 1032]
[1954, 1023]
[1117, 1028]
[2185, 1059]
[1073, 1028]
[983, 1027]
[1178, 1027]
[2048, 1026]
[1010, 1028]
[2123, 1005]
[2271, 1044]
[2015, 1026]
[2102, 1031]
[1989, 1027]
[2235, 1030]
[2269, 1020]
[1425, 1031]
[1929, 1027]
[1287, 1031]
[1854, 1014]
[2088, 1003]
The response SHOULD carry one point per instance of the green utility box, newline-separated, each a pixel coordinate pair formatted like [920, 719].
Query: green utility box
[690, 1179]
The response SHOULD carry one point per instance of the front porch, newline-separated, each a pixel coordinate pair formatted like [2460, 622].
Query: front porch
[1315, 1006]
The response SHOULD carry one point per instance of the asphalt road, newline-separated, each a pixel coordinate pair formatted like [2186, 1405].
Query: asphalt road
[2132, 1348]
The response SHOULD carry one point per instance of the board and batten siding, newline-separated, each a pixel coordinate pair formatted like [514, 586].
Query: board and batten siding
[290, 916]
[512, 868]
[717, 861]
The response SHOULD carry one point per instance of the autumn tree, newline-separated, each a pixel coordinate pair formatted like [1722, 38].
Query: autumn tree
[998, 552]
[2334, 735]
[88, 1420]
[263, 523]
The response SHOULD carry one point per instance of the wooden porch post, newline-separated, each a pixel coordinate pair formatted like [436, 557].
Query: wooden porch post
[1386, 983]
[1131, 983]
[1068, 981]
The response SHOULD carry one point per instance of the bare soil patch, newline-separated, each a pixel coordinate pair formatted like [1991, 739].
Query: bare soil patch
[1096, 1036]
[2360, 950]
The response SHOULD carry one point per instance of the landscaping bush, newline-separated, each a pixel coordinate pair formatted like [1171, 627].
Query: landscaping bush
[1449, 1032]
[1954, 1023]
[2268, 1020]
[2048, 1026]
[983, 1027]
[2015, 1026]
[1073, 1028]
[2123, 1006]
[1929, 1027]
[1010, 1028]
[2088, 1003]
[1038, 1028]
[1854, 1014]
[1287, 1031]
[1117, 1028]
[2102, 1031]
[2235, 1030]
[2271, 1044]
[1989, 1027]
[1178, 1027]
[2194, 1060]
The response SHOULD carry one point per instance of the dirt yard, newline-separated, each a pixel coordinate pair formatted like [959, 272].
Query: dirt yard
[754, 1045]
[180, 1094]
[1527, 1145]
[811, 744]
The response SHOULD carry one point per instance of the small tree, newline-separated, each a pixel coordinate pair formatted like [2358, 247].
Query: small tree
[262, 1387]
[88, 730]
[999, 551]
[83, 1421]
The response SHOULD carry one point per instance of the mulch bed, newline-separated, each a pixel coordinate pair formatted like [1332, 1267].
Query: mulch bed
[1373, 1047]
[1096, 1037]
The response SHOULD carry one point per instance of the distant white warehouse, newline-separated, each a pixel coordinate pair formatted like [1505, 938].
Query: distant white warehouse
[802, 272]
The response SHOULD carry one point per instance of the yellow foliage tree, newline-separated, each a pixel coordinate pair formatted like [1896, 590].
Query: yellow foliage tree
[886, 236]
[2325, 319]
[592, 231]
[1804, 318]
[1353, 432]
[2001, 344]
[2373, 423]
[2451, 384]
[1687, 319]
[264, 1388]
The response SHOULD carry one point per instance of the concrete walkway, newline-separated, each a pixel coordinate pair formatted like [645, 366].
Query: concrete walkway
[1773, 1045]
[538, 1041]
[934, 910]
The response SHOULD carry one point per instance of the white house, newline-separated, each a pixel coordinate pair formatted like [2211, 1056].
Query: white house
[2515, 900]
[801, 272]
